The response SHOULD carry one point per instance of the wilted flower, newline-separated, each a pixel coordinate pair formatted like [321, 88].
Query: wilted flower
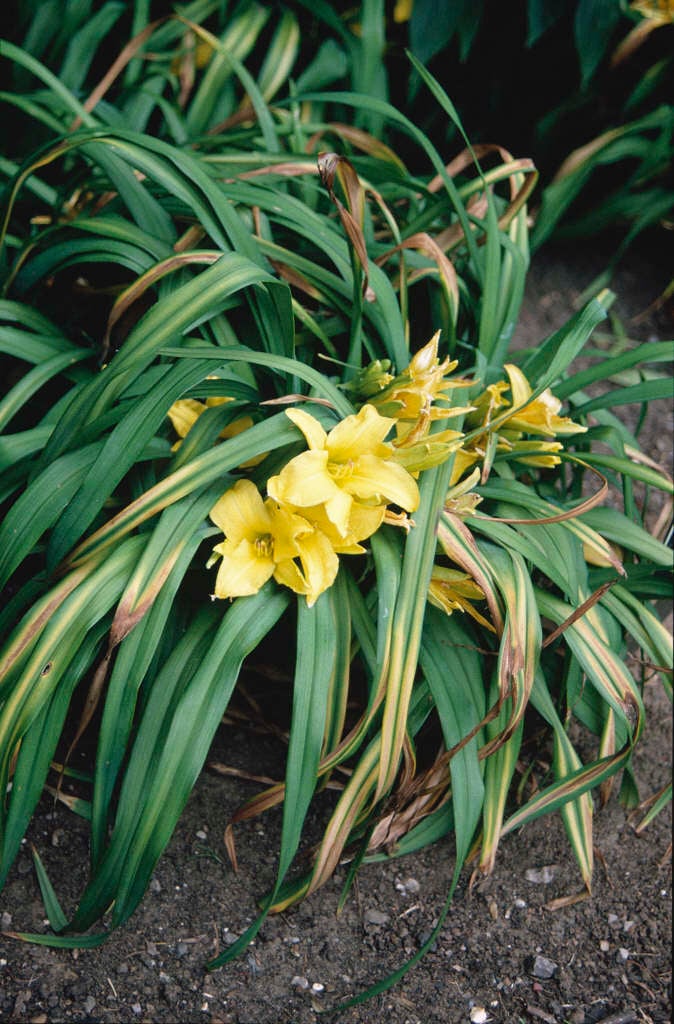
[452, 590]
[412, 396]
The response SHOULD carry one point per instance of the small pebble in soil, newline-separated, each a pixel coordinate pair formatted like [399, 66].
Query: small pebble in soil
[300, 982]
[5, 921]
[155, 885]
[479, 1015]
[423, 939]
[542, 967]
[543, 875]
[89, 1004]
[375, 917]
[604, 946]
[623, 955]
[317, 987]
[408, 886]
[57, 836]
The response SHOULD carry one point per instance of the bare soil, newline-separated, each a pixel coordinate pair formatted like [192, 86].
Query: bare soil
[502, 954]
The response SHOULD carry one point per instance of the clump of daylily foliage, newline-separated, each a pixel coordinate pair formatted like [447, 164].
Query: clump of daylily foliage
[225, 427]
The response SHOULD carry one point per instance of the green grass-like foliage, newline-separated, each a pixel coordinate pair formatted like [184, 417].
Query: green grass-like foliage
[191, 233]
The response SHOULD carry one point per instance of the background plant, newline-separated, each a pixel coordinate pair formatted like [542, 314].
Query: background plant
[175, 235]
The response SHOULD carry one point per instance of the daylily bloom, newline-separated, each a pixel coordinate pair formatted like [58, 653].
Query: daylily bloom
[529, 416]
[352, 465]
[264, 540]
[538, 416]
[452, 590]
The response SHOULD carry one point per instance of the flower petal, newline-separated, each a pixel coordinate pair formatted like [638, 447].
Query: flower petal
[240, 512]
[519, 385]
[363, 432]
[310, 427]
[242, 570]
[303, 481]
[338, 510]
[383, 481]
[184, 413]
[286, 530]
[319, 568]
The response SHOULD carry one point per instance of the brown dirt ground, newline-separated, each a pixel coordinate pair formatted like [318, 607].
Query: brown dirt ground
[610, 955]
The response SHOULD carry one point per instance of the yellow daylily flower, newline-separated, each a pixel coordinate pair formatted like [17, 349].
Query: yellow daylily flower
[264, 540]
[184, 413]
[403, 10]
[452, 590]
[350, 465]
[538, 416]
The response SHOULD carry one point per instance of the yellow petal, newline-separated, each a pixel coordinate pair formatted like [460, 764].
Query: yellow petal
[286, 529]
[303, 481]
[240, 512]
[363, 521]
[338, 510]
[217, 400]
[319, 568]
[364, 432]
[242, 570]
[463, 460]
[310, 427]
[426, 358]
[184, 413]
[383, 481]
[519, 385]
